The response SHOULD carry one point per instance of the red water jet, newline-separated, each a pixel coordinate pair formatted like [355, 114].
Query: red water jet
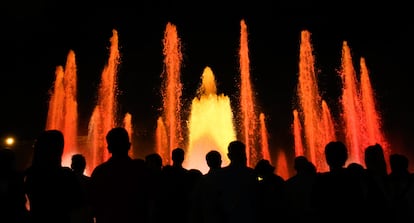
[104, 114]
[360, 123]
[62, 111]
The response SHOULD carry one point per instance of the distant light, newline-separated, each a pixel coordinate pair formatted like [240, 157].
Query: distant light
[9, 141]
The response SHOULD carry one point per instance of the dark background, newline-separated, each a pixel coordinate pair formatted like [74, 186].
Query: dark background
[36, 37]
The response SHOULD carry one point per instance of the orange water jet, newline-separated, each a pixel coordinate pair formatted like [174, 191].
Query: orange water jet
[104, 117]
[62, 113]
[359, 119]
[313, 124]
[198, 144]
[247, 101]
[171, 91]
[264, 138]
[210, 124]
[310, 110]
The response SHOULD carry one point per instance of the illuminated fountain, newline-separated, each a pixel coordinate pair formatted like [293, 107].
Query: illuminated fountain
[211, 123]
[169, 133]
[62, 112]
[359, 124]
[104, 115]
[316, 134]
[63, 107]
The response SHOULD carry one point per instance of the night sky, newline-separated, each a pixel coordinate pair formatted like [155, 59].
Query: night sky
[36, 37]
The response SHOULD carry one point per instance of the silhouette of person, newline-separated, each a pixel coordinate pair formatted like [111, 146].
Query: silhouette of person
[12, 195]
[204, 198]
[119, 186]
[78, 166]
[174, 201]
[299, 189]
[336, 193]
[378, 190]
[237, 187]
[272, 192]
[402, 189]
[153, 162]
[213, 160]
[194, 176]
[54, 192]
[154, 165]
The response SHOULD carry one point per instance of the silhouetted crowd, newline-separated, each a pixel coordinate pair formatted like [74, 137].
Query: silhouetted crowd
[125, 190]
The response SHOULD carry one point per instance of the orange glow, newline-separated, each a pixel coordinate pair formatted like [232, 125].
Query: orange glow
[161, 141]
[210, 124]
[211, 121]
[247, 102]
[264, 138]
[310, 104]
[62, 113]
[282, 165]
[352, 108]
[9, 141]
[360, 122]
[297, 134]
[104, 115]
[128, 127]
[172, 88]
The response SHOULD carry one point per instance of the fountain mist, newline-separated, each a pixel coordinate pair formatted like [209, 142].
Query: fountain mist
[211, 123]
[63, 107]
[171, 92]
[359, 118]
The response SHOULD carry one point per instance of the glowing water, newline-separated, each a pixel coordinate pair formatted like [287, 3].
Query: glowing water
[360, 122]
[104, 115]
[372, 117]
[247, 102]
[313, 123]
[352, 107]
[161, 141]
[202, 136]
[62, 113]
[297, 134]
[282, 168]
[171, 91]
[169, 132]
[210, 124]
[310, 110]
[264, 138]
[127, 123]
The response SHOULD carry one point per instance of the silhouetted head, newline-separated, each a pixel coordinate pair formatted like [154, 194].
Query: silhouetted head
[153, 161]
[336, 154]
[300, 162]
[194, 175]
[48, 148]
[399, 163]
[117, 141]
[263, 167]
[177, 156]
[78, 163]
[303, 165]
[375, 159]
[213, 159]
[237, 152]
[356, 169]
